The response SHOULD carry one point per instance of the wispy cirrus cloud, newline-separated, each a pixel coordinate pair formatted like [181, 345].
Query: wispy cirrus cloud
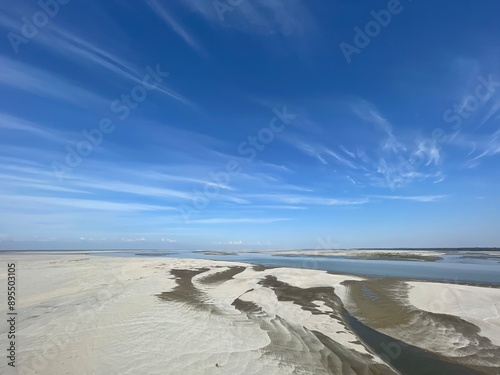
[306, 148]
[278, 207]
[295, 199]
[86, 204]
[395, 163]
[383, 162]
[414, 198]
[240, 220]
[369, 113]
[488, 147]
[262, 17]
[493, 113]
[35, 81]
[141, 239]
[341, 159]
[428, 150]
[89, 55]
[10, 123]
[135, 189]
[240, 242]
[476, 146]
[176, 26]
[320, 152]
[169, 240]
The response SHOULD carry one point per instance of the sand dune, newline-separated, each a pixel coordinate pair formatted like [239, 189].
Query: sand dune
[83, 314]
[480, 306]
[455, 322]
[105, 315]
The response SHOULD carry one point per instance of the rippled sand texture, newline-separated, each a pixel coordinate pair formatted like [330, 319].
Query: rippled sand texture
[94, 315]
[105, 315]
[434, 317]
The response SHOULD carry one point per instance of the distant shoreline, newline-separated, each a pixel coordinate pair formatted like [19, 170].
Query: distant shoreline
[265, 250]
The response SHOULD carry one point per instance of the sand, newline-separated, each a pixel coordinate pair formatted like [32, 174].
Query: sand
[480, 306]
[456, 322]
[83, 314]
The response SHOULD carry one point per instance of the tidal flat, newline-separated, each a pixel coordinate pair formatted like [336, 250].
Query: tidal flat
[101, 315]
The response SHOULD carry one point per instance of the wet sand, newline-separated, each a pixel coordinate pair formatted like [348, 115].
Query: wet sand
[105, 315]
[390, 307]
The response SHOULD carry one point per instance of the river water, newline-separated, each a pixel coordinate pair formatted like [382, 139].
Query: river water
[463, 268]
[472, 268]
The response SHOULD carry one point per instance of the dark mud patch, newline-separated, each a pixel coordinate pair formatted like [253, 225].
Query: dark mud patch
[262, 268]
[247, 307]
[408, 359]
[186, 292]
[381, 308]
[222, 276]
[318, 353]
[380, 304]
[305, 297]
[352, 362]
[216, 252]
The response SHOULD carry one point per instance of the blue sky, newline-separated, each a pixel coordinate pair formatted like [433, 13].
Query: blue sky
[249, 124]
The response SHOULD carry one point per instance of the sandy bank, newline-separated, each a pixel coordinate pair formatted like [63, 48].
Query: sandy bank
[478, 305]
[104, 315]
[456, 322]
[390, 254]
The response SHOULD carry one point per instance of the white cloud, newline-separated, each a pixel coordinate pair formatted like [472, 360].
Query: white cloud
[262, 17]
[24, 201]
[176, 26]
[141, 239]
[349, 153]
[368, 112]
[429, 150]
[278, 207]
[415, 198]
[309, 200]
[491, 148]
[494, 109]
[229, 243]
[35, 81]
[219, 220]
[83, 53]
[136, 189]
[318, 151]
[339, 158]
[13, 123]
[239, 242]
[168, 240]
